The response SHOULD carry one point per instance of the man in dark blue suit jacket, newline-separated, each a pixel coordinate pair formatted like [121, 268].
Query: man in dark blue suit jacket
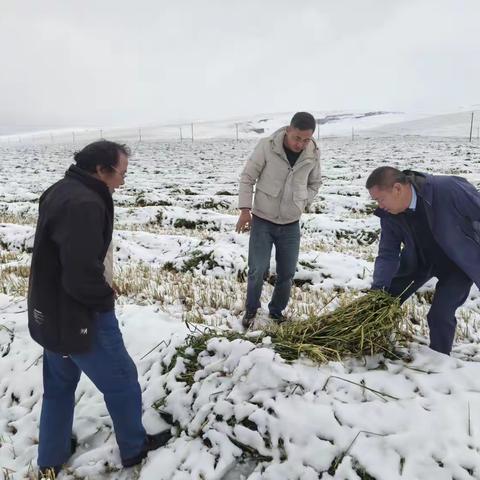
[430, 227]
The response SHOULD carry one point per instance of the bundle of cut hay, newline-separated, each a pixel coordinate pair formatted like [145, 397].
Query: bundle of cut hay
[371, 324]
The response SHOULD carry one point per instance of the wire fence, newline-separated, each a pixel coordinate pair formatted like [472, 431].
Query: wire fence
[465, 127]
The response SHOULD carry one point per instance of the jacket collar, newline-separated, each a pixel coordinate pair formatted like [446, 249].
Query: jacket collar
[422, 183]
[91, 182]
[276, 141]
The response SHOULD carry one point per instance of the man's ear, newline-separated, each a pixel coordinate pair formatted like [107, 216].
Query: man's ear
[397, 188]
[99, 170]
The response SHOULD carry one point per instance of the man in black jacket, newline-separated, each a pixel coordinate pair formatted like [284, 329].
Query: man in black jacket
[71, 308]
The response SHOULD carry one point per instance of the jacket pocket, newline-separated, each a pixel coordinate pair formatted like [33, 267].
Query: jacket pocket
[476, 230]
[75, 322]
[471, 230]
[300, 198]
[471, 238]
[268, 187]
[43, 324]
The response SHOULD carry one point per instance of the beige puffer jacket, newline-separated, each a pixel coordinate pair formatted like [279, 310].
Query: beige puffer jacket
[281, 192]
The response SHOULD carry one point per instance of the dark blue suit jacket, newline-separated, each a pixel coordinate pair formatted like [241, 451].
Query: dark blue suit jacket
[452, 205]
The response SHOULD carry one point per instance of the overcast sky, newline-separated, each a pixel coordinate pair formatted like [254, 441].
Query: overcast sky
[107, 63]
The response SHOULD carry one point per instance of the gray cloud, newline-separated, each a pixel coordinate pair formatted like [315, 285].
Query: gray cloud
[90, 63]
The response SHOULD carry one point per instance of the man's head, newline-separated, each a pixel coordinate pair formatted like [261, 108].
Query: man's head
[105, 160]
[390, 188]
[300, 131]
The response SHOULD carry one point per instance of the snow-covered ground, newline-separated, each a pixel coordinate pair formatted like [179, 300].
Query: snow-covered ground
[332, 123]
[446, 125]
[178, 258]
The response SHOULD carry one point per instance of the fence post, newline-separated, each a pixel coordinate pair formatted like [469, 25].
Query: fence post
[471, 127]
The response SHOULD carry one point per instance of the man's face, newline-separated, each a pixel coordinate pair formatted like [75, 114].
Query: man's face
[114, 179]
[296, 140]
[394, 200]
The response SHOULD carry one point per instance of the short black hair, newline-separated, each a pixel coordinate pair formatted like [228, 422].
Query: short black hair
[103, 152]
[303, 121]
[385, 177]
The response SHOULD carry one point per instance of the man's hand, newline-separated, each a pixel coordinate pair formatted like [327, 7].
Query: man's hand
[244, 221]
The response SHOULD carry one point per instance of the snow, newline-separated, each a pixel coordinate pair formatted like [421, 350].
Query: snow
[331, 123]
[410, 418]
[447, 125]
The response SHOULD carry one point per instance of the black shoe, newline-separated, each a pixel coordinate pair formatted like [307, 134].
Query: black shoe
[278, 317]
[166, 417]
[248, 318]
[51, 473]
[152, 443]
[73, 444]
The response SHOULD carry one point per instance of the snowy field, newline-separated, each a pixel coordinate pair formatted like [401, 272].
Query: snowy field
[249, 414]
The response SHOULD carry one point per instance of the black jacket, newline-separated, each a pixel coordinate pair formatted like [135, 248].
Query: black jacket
[67, 283]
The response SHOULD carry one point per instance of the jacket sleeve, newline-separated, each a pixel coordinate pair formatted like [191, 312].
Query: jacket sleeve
[314, 182]
[249, 176]
[466, 199]
[388, 258]
[78, 232]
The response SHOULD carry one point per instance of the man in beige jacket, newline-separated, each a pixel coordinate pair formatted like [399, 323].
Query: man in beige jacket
[285, 170]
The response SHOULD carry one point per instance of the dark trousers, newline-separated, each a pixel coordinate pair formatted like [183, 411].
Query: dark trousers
[286, 239]
[113, 372]
[451, 291]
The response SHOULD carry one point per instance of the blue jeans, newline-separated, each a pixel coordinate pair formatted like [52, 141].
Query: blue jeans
[286, 239]
[113, 372]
